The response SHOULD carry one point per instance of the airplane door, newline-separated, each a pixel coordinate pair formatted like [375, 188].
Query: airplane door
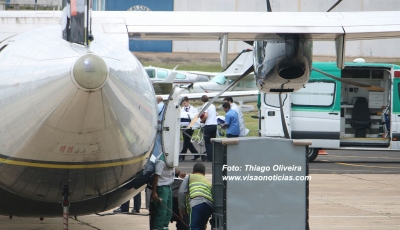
[272, 123]
[170, 134]
[395, 117]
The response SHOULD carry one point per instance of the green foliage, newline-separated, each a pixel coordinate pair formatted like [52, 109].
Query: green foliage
[251, 123]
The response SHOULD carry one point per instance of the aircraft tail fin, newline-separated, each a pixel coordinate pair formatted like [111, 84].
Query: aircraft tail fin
[76, 21]
[241, 63]
[170, 78]
[165, 86]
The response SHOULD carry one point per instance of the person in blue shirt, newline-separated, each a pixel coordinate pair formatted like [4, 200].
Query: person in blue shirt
[231, 121]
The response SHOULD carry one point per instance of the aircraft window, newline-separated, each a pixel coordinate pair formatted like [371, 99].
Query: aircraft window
[220, 79]
[315, 94]
[250, 84]
[180, 76]
[238, 85]
[162, 73]
[151, 73]
[202, 78]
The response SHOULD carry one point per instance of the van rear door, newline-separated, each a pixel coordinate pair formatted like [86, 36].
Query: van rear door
[395, 117]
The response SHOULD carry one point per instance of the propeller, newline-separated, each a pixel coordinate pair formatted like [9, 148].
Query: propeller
[249, 70]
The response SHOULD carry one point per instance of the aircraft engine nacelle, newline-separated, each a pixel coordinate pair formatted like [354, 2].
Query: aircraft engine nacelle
[282, 66]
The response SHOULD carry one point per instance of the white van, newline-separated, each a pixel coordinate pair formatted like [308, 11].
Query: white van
[361, 111]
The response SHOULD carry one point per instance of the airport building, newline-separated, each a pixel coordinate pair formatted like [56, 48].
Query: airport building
[365, 49]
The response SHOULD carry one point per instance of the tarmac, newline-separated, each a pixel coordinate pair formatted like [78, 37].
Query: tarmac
[336, 201]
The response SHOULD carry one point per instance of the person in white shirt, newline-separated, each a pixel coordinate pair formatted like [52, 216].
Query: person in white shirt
[210, 126]
[243, 130]
[187, 133]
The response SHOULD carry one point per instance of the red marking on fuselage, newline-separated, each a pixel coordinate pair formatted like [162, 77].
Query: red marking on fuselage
[70, 149]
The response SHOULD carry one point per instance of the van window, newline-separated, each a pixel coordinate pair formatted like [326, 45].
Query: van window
[315, 94]
[162, 73]
[151, 73]
[180, 76]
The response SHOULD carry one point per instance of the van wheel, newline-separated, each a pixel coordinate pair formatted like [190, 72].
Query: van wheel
[312, 154]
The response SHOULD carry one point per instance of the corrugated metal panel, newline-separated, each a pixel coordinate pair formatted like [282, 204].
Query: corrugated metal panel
[154, 5]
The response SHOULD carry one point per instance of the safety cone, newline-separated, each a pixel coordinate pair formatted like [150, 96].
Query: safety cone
[322, 152]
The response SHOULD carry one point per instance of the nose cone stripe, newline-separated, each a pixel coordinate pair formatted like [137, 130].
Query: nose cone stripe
[90, 72]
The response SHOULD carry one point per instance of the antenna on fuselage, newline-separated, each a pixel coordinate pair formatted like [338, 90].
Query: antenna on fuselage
[76, 21]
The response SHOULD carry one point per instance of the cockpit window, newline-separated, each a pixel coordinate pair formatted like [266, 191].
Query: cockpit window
[219, 79]
[162, 73]
[151, 73]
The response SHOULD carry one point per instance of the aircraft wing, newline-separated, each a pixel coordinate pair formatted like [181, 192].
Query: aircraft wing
[212, 95]
[245, 26]
[213, 74]
[209, 74]
[202, 25]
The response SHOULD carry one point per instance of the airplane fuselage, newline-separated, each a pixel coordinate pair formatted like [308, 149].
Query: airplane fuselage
[54, 133]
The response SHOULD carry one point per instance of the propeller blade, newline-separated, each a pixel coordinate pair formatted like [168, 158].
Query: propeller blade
[361, 85]
[334, 5]
[269, 9]
[249, 70]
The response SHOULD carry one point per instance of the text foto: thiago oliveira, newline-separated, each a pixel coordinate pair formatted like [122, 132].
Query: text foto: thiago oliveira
[264, 168]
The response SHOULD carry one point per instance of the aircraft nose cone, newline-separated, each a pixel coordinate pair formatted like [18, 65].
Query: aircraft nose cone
[90, 72]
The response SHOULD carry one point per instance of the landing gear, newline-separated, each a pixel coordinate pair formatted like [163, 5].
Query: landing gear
[65, 205]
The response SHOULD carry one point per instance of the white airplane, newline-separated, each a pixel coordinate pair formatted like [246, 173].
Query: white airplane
[164, 79]
[78, 121]
[181, 78]
[219, 81]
